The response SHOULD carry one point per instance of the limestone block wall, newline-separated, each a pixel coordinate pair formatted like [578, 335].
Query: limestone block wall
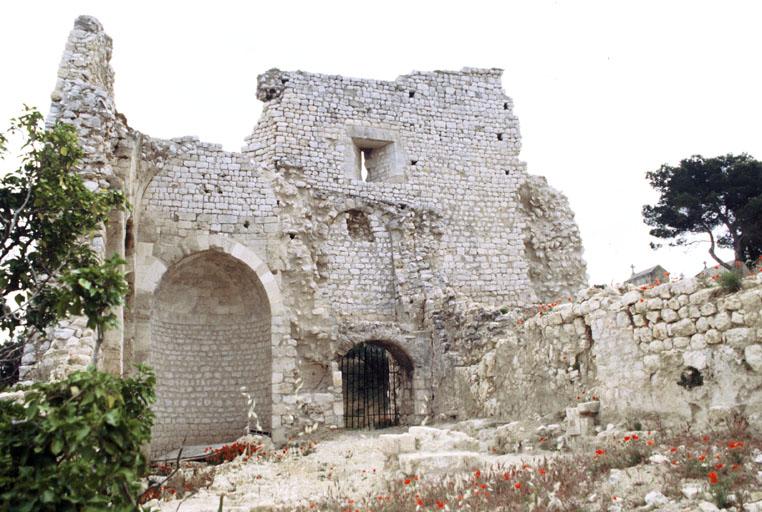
[452, 141]
[673, 354]
[262, 268]
[358, 273]
[210, 336]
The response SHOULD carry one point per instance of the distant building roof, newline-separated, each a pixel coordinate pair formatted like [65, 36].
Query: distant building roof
[649, 272]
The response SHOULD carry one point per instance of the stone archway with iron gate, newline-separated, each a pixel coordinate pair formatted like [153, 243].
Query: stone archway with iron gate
[377, 387]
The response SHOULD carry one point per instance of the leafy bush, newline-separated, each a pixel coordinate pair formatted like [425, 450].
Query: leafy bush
[76, 444]
[730, 281]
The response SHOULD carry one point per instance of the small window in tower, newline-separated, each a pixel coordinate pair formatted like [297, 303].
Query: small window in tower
[376, 160]
[363, 169]
[374, 155]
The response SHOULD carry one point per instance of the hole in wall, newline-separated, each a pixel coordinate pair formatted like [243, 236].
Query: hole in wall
[690, 378]
[246, 224]
[411, 94]
[375, 160]
[505, 106]
[499, 136]
[363, 167]
[413, 162]
[358, 226]
[129, 238]
[292, 235]
[507, 173]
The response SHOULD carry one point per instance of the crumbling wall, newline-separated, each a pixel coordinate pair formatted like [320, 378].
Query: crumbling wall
[447, 217]
[442, 141]
[83, 98]
[552, 243]
[679, 353]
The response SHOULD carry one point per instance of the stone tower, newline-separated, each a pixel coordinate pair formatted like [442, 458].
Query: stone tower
[357, 213]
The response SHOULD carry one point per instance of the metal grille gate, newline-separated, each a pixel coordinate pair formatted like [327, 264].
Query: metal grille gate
[371, 385]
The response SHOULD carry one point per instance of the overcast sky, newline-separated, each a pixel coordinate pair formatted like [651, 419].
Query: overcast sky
[604, 90]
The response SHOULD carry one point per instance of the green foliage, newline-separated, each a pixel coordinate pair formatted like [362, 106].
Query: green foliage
[75, 444]
[720, 197]
[730, 281]
[47, 217]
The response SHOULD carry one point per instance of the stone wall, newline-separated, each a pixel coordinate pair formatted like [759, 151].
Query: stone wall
[263, 268]
[676, 354]
[210, 337]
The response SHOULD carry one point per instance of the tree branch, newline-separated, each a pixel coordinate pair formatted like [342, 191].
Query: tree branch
[712, 246]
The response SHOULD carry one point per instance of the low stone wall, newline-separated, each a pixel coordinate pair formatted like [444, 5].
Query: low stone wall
[675, 354]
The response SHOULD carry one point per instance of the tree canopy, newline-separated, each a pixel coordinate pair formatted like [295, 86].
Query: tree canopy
[719, 197]
[48, 216]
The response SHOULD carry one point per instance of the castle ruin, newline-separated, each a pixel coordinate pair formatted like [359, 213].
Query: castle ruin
[356, 214]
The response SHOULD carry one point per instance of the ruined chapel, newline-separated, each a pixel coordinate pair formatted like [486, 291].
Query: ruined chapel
[318, 267]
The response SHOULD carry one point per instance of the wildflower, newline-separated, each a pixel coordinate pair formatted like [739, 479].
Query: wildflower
[719, 465]
[713, 477]
[440, 504]
[517, 485]
[673, 449]
[674, 463]
[483, 486]
[506, 476]
[599, 452]
[732, 445]
[419, 502]
[735, 467]
[541, 471]
[701, 457]
[706, 439]
[626, 438]
[477, 474]
[650, 442]
[407, 481]
[635, 437]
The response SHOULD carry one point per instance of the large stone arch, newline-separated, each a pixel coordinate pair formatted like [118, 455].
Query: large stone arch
[210, 321]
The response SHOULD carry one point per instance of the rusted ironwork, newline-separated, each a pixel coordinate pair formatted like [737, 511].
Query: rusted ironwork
[371, 385]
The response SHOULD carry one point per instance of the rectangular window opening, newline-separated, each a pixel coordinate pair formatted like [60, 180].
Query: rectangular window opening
[375, 160]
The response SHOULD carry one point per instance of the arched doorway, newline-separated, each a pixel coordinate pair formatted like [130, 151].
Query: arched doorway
[376, 386]
[210, 336]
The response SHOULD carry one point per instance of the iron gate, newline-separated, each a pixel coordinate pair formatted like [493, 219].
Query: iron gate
[371, 384]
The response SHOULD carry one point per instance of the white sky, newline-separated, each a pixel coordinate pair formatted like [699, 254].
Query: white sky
[604, 90]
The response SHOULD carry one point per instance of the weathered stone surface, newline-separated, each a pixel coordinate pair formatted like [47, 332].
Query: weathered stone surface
[753, 356]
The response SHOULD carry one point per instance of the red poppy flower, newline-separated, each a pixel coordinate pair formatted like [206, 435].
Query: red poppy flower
[599, 452]
[713, 477]
[719, 465]
[517, 485]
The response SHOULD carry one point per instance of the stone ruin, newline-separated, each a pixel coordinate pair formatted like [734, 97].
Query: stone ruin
[370, 233]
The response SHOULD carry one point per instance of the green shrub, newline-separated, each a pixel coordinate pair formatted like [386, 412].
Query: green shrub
[76, 444]
[730, 281]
